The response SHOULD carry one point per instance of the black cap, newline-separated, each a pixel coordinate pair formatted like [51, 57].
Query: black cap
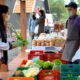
[72, 5]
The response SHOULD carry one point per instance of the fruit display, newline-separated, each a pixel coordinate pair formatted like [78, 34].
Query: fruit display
[48, 40]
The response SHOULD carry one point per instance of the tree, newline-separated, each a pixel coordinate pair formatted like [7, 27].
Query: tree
[58, 10]
[79, 2]
[72, 0]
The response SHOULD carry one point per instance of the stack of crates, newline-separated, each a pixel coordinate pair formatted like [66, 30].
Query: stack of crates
[70, 72]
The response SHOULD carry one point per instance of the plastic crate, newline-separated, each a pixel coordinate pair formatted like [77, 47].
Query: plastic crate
[52, 56]
[70, 76]
[70, 72]
[22, 68]
[70, 68]
[21, 78]
[34, 54]
[54, 75]
[64, 62]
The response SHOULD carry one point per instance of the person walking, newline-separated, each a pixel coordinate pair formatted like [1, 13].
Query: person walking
[73, 38]
[32, 25]
[41, 22]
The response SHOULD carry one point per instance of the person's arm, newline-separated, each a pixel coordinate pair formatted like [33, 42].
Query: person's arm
[63, 46]
[4, 46]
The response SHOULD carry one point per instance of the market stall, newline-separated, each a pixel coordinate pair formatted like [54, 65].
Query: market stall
[43, 61]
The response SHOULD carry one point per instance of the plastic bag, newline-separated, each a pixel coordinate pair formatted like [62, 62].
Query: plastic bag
[36, 29]
[76, 56]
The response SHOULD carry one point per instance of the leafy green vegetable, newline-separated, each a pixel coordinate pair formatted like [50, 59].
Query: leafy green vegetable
[20, 41]
[40, 63]
[57, 62]
[46, 65]
[49, 73]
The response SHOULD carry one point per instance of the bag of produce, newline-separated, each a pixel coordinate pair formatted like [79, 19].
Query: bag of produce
[57, 64]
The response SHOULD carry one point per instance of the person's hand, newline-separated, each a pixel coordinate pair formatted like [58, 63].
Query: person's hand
[62, 48]
[14, 46]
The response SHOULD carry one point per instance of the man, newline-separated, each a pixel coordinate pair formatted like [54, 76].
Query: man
[73, 37]
[32, 24]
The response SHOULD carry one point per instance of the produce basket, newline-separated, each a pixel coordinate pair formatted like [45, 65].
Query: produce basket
[34, 54]
[52, 56]
[49, 75]
[70, 72]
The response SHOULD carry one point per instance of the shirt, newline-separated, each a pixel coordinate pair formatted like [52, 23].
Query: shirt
[32, 25]
[76, 20]
[73, 31]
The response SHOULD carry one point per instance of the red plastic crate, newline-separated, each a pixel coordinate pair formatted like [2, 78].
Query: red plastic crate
[21, 78]
[64, 62]
[55, 75]
[34, 54]
[52, 57]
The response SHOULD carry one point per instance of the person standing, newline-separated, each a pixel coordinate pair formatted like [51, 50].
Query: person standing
[4, 44]
[73, 37]
[41, 22]
[32, 25]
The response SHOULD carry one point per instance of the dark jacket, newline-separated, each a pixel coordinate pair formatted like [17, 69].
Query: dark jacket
[41, 23]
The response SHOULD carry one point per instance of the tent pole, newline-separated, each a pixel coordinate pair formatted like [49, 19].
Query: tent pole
[23, 21]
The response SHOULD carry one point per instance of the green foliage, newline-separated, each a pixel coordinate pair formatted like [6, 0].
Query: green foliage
[57, 62]
[40, 63]
[58, 10]
[20, 41]
[45, 65]
[79, 2]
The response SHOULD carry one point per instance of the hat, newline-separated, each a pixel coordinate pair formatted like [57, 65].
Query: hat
[72, 5]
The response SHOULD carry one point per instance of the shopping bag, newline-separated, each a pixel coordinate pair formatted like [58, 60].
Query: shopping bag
[76, 56]
[36, 29]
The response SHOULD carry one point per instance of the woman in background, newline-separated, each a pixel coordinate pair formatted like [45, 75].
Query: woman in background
[41, 22]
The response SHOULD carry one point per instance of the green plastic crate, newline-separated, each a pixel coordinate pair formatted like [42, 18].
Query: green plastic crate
[70, 68]
[70, 72]
[70, 76]
[22, 68]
